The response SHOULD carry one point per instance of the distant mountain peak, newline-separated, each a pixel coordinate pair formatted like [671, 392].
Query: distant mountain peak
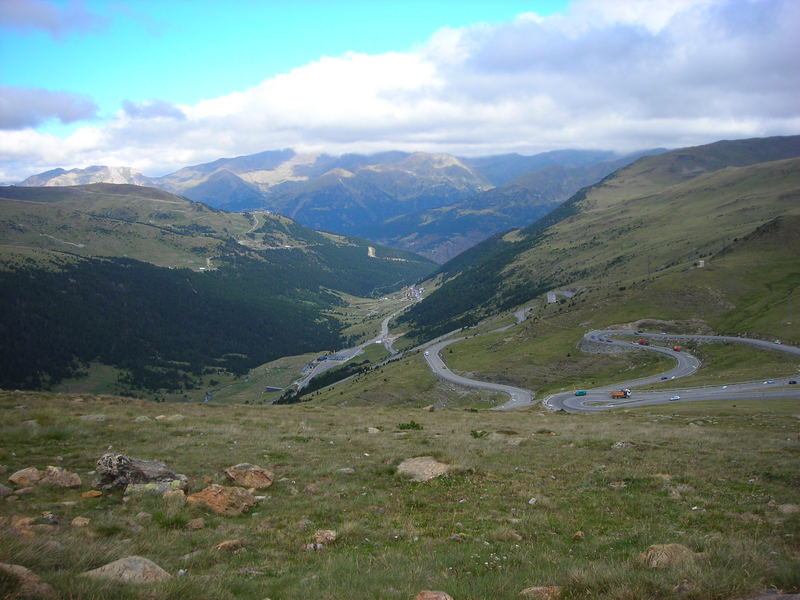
[92, 174]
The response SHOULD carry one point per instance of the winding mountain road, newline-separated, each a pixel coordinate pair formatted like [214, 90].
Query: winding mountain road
[318, 367]
[519, 397]
[598, 399]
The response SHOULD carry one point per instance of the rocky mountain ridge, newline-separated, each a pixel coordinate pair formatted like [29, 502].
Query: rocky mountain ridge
[436, 204]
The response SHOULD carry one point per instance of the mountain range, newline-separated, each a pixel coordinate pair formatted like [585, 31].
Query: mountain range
[164, 290]
[434, 204]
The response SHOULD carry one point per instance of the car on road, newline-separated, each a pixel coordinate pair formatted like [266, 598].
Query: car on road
[427, 353]
[769, 381]
[675, 397]
[792, 382]
[663, 377]
[580, 392]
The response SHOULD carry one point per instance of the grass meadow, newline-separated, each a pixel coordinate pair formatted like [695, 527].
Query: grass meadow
[717, 477]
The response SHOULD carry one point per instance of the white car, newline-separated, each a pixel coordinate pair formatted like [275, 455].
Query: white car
[675, 397]
[427, 353]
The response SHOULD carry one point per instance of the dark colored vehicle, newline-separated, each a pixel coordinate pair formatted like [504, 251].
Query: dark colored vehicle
[580, 393]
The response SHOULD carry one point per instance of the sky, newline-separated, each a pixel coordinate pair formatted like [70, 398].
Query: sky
[158, 85]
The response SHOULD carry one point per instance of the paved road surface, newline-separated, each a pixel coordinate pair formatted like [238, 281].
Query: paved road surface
[598, 399]
[519, 397]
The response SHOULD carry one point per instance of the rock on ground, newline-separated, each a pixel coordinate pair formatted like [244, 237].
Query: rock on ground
[118, 470]
[80, 521]
[325, 536]
[229, 545]
[156, 488]
[662, 556]
[422, 468]
[433, 595]
[132, 569]
[543, 592]
[250, 475]
[30, 584]
[26, 477]
[60, 477]
[5, 491]
[93, 418]
[225, 500]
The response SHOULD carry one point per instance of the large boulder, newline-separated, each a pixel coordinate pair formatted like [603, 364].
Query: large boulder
[251, 476]
[29, 585]
[116, 471]
[225, 500]
[422, 468]
[60, 477]
[26, 477]
[132, 569]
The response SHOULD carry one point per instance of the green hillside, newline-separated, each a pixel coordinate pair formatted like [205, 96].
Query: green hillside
[647, 221]
[167, 290]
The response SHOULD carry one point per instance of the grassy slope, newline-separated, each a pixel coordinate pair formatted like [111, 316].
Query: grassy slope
[660, 213]
[108, 220]
[623, 227]
[742, 290]
[268, 260]
[169, 231]
[686, 480]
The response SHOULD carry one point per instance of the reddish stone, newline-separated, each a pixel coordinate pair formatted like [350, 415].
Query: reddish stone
[225, 500]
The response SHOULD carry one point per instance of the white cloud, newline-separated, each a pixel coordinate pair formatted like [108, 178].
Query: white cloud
[152, 110]
[621, 75]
